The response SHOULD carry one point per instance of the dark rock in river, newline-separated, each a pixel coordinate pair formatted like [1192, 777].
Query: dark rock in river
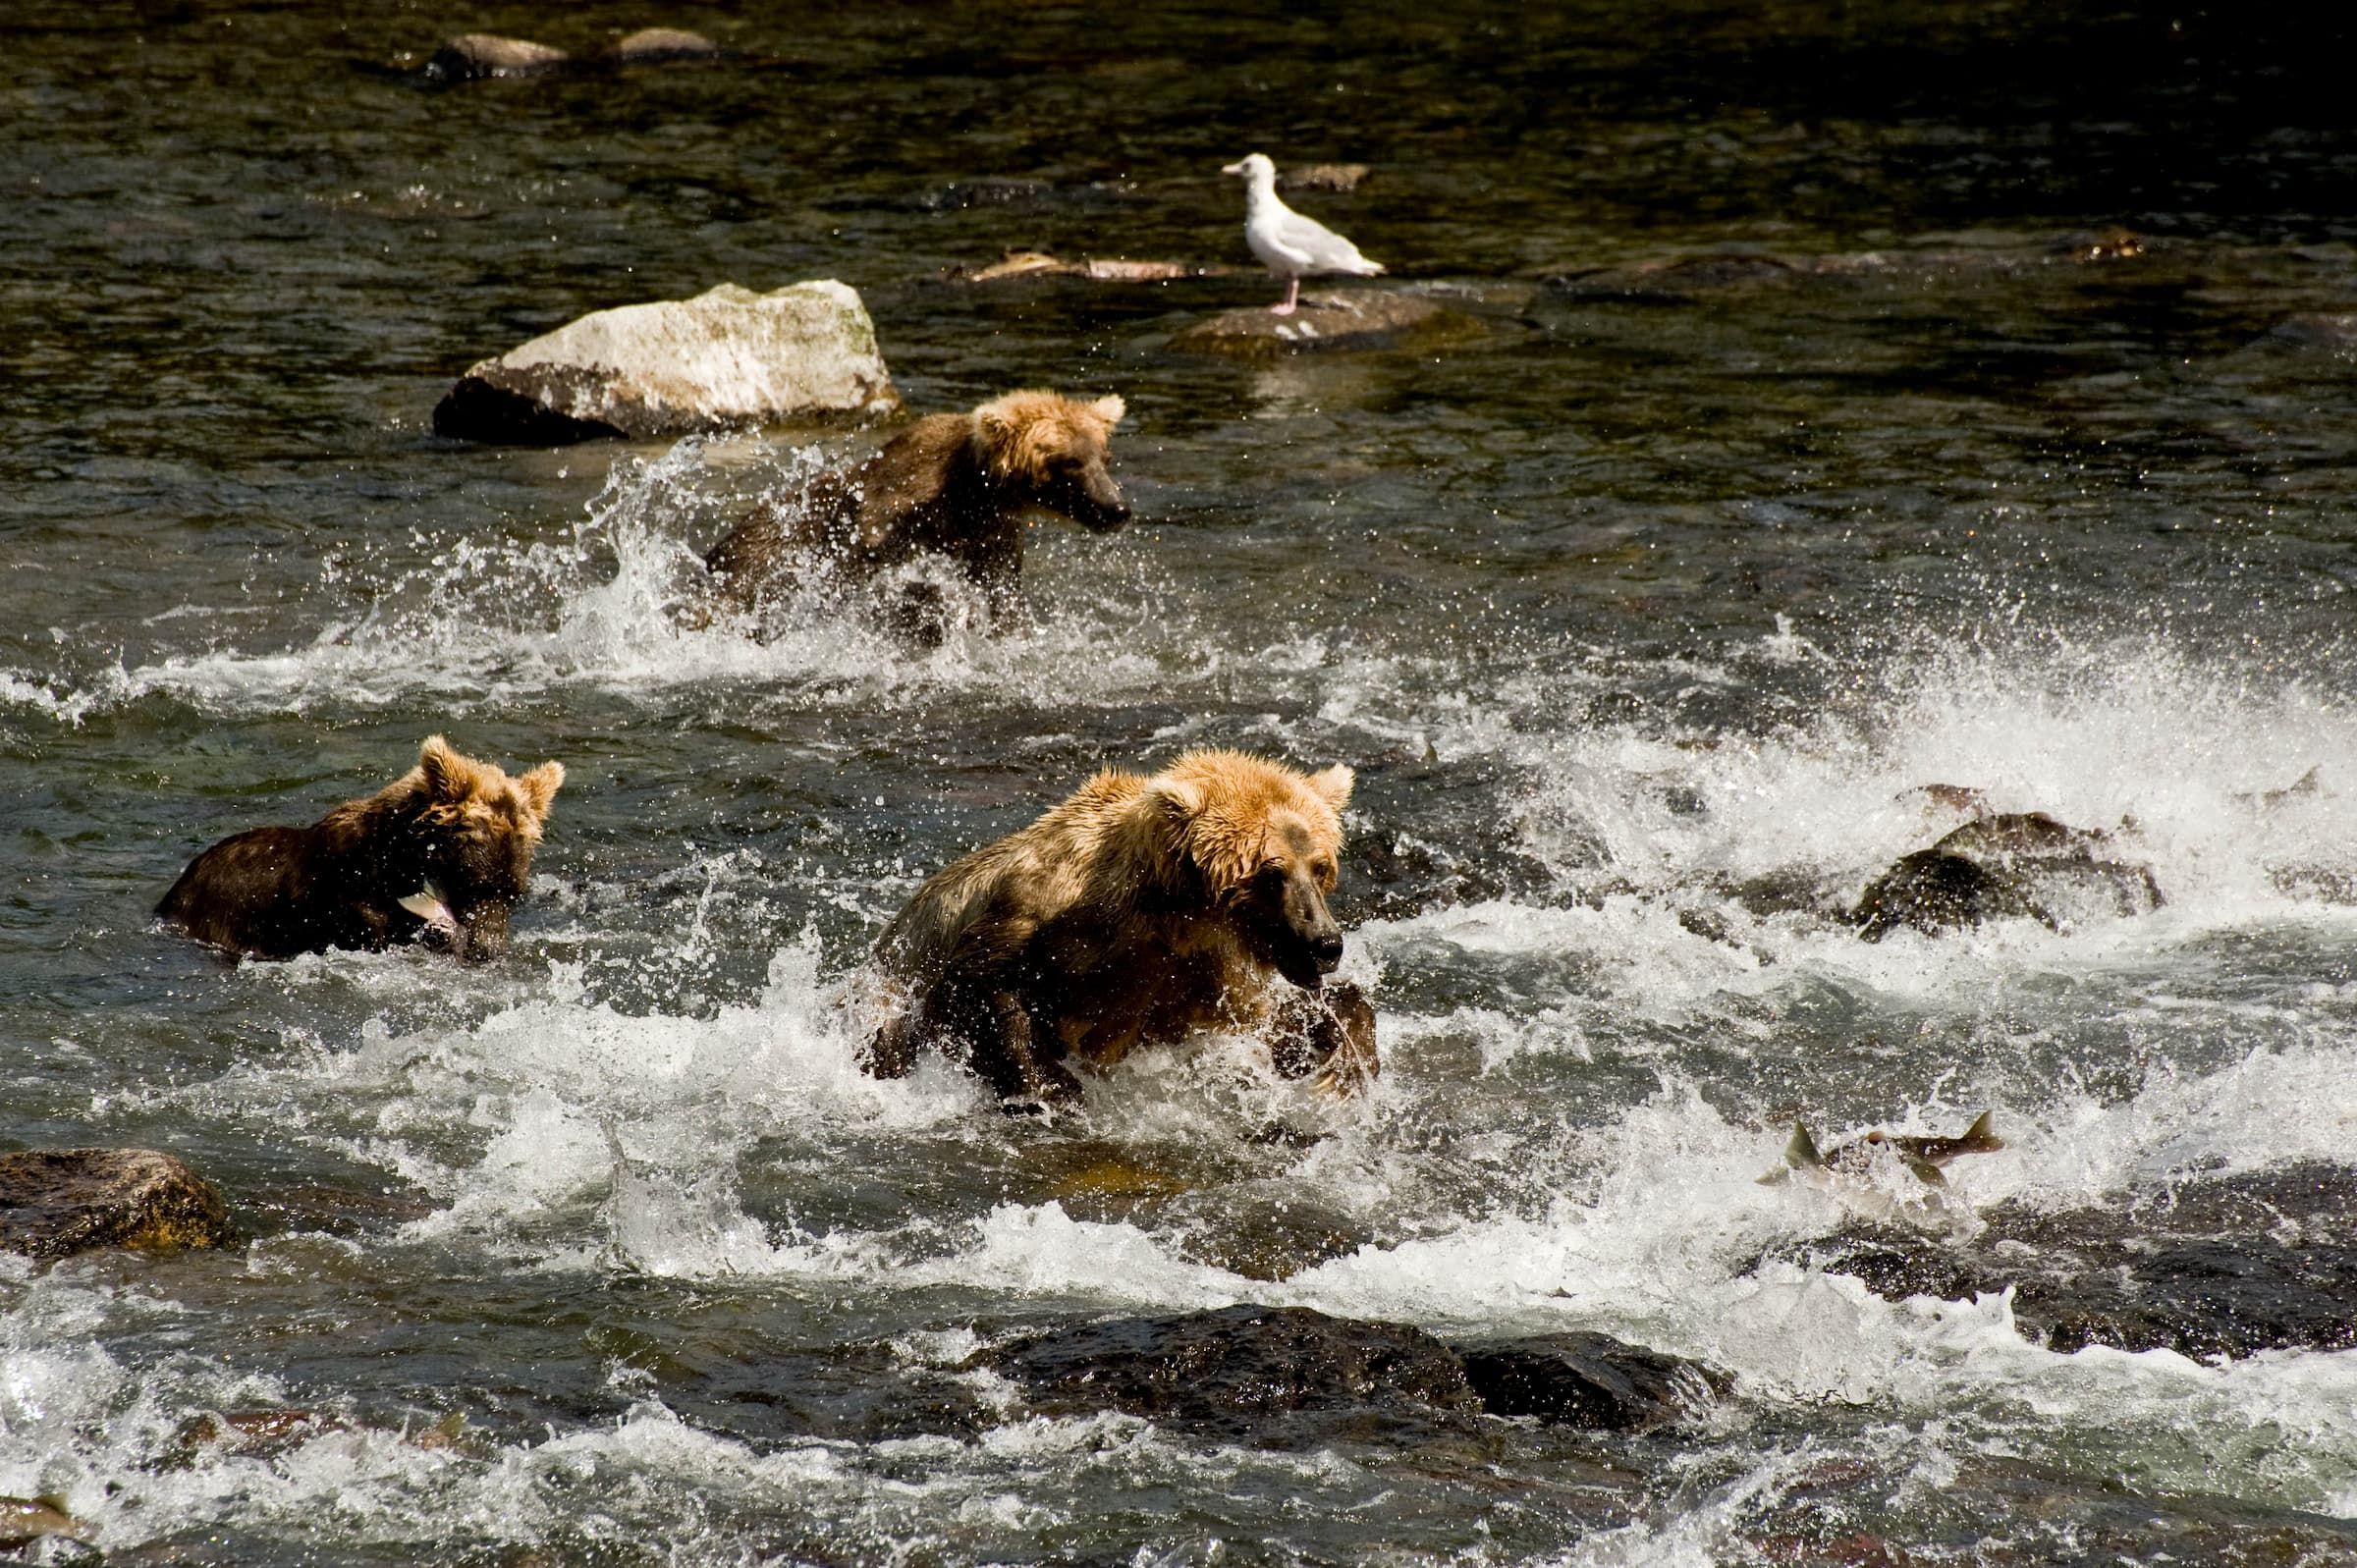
[477, 56]
[1363, 318]
[649, 46]
[1245, 1370]
[2223, 1266]
[1590, 1380]
[2005, 866]
[1235, 1371]
[56, 1202]
[727, 357]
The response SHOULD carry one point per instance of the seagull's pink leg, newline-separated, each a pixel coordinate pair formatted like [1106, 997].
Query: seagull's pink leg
[1292, 298]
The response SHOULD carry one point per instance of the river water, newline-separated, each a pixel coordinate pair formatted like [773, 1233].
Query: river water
[1822, 446]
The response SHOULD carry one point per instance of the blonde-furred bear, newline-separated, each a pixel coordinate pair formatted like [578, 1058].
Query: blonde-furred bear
[958, 486]
[1135, 913]
[441, 855]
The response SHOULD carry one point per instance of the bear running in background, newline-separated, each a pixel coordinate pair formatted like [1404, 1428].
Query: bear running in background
[440, 855]
[953, 485]
[1135, 913]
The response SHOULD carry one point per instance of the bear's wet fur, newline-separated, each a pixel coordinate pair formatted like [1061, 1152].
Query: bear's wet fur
[956, 485]
[441, 854]
[1137, 911]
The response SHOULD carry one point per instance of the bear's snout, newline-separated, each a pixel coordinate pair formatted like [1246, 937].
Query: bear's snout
[483, 931]
[1103, 508]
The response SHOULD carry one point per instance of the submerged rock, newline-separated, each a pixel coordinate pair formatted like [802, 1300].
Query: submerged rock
[267, 1433]
[2223, 1266]
[1672, 280]
[649, 46]
[2004, 866]
[2329, 329]
[1040, 264]
[729, 356]
[1262, 1237]
[1324, 177]
[481, 56]
[1591, 1380]
[478, 56]
[2112, 244]
[57, 1201]
[1235, 1370]
[1360, 319]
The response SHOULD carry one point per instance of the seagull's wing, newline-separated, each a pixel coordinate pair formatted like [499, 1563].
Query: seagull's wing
[1286, 247]
[1314, 242]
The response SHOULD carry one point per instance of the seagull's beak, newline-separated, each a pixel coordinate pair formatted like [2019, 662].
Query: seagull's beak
[1236, 167]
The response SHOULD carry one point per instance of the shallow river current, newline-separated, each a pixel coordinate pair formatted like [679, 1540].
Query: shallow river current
[1824, 443]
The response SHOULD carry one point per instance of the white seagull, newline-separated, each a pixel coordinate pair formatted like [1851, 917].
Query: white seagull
[1287, 244]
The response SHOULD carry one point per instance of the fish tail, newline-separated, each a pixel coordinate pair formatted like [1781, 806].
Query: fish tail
[1980, 1138]
[1801, 1153]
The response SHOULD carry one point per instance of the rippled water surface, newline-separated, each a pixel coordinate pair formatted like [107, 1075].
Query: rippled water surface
[1870, 397]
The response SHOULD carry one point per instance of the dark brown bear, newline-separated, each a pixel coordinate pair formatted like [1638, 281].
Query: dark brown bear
[1135, 913]
[956, 485]
[440, 855]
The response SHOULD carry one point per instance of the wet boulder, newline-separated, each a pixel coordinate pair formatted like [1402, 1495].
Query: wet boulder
[1238, 1371]
[1590, 1380]
[2007, 865]
[2219, 1265]
[57, 1201]
[1359, 319]
[1274, 1373]
[479, 56]
[725, 358]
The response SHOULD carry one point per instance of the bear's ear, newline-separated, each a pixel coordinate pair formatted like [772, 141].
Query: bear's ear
[539, 788]
[448, 777]
[1110, 408]
[1176, 798]
[997, 428]
[1334, 785]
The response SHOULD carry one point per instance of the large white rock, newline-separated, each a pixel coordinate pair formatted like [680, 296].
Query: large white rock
[724, 358]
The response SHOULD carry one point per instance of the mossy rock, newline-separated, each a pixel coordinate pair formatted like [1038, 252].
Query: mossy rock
[58, 1202]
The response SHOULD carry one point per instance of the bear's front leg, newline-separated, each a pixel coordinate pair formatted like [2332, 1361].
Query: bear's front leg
[890, 1052]
[1007, 1053]
[1331, 1030]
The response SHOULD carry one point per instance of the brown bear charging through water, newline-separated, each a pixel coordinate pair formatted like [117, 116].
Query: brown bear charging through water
[440, 855]
[1132, 914]
[956, 485]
